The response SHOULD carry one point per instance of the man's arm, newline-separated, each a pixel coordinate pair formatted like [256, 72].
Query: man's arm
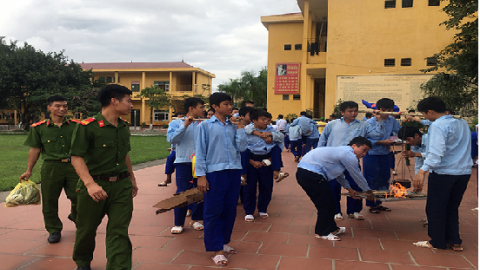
[94, 190]
[132, 176]
[176, 131]
[324, 136]
[33, 156]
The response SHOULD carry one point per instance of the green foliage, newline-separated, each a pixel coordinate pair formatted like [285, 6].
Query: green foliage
[290, 116]
[336, 110]
[156, 98]
[248, 87]
[165, 126]
[13, 161]
[30, 76]
[458, 85]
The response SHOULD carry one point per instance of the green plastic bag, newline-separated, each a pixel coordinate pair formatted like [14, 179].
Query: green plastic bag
[24, 193]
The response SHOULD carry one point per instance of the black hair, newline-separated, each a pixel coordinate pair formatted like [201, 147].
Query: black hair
[408, 131]
[333, 115]
[431, 103]
[348, 104]
[192, 102]
[112, 91]
[368, 114]
[244, 103]
[178, 113]
[274, 122]
[359, 141]
[219, 97]
[452, 112]
[234, 108]
[411, 111]
[244, 110]
[54, 98]
[293, 119]
[385, 103]
[257, 113]
[280, 116]
[211, 109]
[303, 113]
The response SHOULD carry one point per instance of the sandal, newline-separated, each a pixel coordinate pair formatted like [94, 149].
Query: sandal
[163, 184]
[339, 231]
[228, 249]
[330, 237]
[281, 176]
[176, 230]
[356, 215]
[456, 247]
[383, 208]
[197, 226]
[220, 260]
[374, 210]
[338, 216]
[249, 218]
[263, 215]
[423, 244]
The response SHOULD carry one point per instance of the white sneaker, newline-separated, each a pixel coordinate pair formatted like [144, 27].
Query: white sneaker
[338, 216]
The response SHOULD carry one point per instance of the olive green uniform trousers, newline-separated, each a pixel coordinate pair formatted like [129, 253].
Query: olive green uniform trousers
[118, 207]
[55, 176]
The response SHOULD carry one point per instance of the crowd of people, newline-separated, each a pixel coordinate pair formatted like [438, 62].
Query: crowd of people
[237, 154]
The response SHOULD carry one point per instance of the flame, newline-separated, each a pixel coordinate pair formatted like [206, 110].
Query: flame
[398, 191]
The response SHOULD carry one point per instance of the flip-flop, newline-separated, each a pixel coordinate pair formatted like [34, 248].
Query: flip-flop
[340, 231]
[383, 208]
[456, 247]
[249, 218]
[176, 230]
[281, 176]
[197, 226]
[263, 215]
[220, 260]
[423, 244]
[329, 237]
[228, 249]
[356, 216]
[374, 210]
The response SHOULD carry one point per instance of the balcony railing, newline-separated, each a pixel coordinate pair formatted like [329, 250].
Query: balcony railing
[184, 88]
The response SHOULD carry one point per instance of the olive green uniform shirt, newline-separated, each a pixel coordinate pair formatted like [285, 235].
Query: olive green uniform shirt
[103, 146]
[53, 141]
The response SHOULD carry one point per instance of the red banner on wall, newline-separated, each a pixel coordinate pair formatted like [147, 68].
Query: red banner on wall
[287, 78]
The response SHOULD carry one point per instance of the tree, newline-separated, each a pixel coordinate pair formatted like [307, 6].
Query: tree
[156, 98]
[248, 87]
[85, 101]
[30, 76]
[458, 86]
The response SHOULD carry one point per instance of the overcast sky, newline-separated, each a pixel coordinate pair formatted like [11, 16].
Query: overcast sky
[224, 37]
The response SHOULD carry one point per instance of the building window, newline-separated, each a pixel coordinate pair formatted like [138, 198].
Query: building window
[296, 97]
[434, 3]
[165, 85]
[160, 115]
[406, 62]
[407, 3]
[110, 79]
[135, 86]
[390, 4]
[287, 47]
[431, 61]
[298, 47]
[77, 115]
[286, 97]
[389, 62]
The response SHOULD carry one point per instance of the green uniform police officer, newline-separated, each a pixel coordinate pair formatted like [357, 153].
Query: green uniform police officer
[100, 147]
[52, 138]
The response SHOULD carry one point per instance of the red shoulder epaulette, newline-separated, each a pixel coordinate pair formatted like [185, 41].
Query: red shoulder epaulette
[87, 121]
[74, 120]
[124, 120]
[39, 123]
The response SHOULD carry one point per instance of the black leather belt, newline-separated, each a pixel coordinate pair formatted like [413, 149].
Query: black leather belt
[111, 178]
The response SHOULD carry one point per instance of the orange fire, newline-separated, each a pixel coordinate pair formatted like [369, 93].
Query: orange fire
[398, 191]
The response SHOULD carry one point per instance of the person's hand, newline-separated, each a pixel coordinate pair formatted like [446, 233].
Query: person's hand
[257, 164]
[135, 187]
[353, 194]
[409, 153]
[269, 140]
[244, 176]
[237, 121]
[202, 184]
[263, 135]
[25, 176]
[96, 192]
[189, 120]
[418, 181]
[371, 196]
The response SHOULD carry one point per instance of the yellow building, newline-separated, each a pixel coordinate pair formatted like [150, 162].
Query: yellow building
[178, 79]
[351, 50]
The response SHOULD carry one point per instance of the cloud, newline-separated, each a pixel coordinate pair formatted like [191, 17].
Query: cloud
[221, 36]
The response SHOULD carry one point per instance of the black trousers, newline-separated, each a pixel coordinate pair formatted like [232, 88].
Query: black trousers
[445, 193]
[317, 188]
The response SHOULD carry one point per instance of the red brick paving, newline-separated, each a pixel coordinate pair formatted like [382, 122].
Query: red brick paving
[283, 241]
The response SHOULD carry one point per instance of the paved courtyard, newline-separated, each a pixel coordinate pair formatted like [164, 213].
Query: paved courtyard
[284, 241]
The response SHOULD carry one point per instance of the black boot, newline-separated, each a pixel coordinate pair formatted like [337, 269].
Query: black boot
[54, 237]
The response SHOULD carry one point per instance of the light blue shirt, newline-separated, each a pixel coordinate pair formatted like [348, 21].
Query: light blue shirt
[339, 133]
[259, 146]
[331, 162]
[276, 136]
[449, 146]
[287, 128]
[304, 123]
[422, 149]
[294, 133]
[381, 130]
[426, 122]
[314, 134]
[184, 138]
[218, 146]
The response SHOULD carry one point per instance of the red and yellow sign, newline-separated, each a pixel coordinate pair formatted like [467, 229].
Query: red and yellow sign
[287, 78]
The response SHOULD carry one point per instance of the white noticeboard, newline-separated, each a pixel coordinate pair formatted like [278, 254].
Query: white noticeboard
[403, 89]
